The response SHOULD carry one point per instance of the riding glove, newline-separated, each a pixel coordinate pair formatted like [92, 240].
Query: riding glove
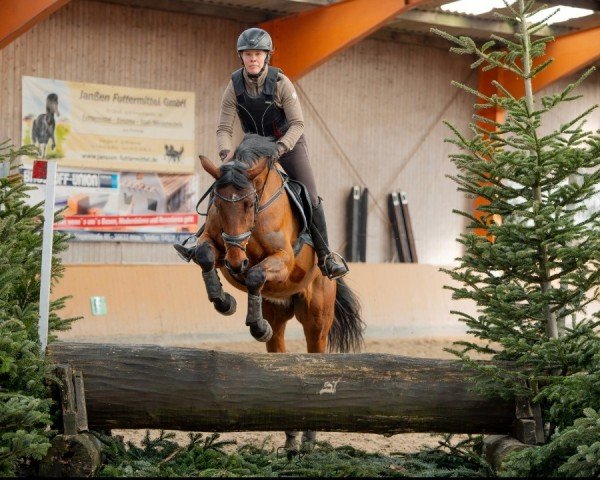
[281, 149]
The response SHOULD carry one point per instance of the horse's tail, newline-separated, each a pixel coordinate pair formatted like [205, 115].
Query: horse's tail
[346, 334]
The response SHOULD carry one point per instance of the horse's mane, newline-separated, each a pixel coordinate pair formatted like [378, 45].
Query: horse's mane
[252, 148]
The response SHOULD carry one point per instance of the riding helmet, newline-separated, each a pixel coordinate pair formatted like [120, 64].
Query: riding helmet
[254, 39]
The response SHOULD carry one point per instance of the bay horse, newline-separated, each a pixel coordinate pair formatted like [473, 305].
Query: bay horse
[249, 235]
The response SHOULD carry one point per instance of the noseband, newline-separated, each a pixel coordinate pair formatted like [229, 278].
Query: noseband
[237, 240]
[241, 241]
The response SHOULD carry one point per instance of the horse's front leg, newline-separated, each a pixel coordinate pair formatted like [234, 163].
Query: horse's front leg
[273, 268]
[204, 255]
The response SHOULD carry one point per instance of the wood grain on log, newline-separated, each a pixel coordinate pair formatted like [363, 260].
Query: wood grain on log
[497, 447]
[148, 386]
[71, 456]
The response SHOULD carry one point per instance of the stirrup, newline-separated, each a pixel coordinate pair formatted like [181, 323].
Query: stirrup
[332, 256]
[184, 253]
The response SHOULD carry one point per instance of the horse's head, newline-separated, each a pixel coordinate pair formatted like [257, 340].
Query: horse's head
[236, 195]
[52, 104]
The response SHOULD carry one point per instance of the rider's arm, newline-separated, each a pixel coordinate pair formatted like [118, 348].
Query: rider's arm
[287, 98]
[226, 119]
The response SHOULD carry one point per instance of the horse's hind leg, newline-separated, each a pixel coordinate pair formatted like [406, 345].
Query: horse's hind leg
[205, 257]
[278, 315]
[316, 314]
[309, 438]
[292, 445]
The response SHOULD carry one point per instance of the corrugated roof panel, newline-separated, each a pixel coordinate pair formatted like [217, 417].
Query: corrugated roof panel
[418, 20]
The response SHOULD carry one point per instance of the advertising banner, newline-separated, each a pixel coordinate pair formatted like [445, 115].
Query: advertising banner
[109, 127]
[121, 206]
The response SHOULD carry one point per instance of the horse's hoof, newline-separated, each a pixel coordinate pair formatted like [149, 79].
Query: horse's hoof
[309, 436]
[292, 446]
[309, 439]
[261, 331]
[227, 306]
[291, 453]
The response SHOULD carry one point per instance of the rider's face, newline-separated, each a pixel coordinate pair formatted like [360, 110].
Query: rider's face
[254, 60]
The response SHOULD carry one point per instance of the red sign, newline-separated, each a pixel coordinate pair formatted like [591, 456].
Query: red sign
[40, 169]
[121, 221]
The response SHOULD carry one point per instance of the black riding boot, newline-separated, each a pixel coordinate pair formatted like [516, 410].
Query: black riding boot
[187, 253]
[327, 261]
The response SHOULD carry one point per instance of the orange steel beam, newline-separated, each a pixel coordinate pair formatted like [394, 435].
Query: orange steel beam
[304, 41]
[570, 53]
[18, 16]
[496, 114]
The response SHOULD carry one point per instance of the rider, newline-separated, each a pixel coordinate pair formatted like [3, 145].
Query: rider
[266, 103]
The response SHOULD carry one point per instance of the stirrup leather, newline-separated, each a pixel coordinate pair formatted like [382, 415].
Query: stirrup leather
[331, 256]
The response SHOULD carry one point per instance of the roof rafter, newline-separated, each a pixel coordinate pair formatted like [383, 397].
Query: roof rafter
[308, 39]
[18, 16]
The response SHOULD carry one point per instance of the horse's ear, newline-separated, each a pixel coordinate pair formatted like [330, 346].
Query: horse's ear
[210, 167]
[258, 167]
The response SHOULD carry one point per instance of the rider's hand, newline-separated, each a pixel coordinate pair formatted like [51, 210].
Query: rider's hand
[281, 149]
[225, 155]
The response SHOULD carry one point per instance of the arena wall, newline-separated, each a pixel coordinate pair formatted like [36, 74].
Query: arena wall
[373, 117]
[168, 303]
[373, 114]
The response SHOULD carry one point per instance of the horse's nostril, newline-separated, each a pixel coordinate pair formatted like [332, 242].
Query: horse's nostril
[245, 264]
[227, 264]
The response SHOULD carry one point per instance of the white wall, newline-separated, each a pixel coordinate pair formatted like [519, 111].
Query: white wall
[373, 113]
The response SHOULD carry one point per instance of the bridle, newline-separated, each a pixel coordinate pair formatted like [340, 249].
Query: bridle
[241, 241]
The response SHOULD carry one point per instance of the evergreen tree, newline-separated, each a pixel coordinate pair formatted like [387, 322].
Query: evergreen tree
[24, 404]
[539, 264]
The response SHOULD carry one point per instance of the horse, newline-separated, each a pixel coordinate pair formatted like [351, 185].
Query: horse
[43, 126]
[249, 236]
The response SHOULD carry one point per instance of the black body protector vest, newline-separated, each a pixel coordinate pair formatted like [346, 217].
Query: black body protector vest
[259, 114]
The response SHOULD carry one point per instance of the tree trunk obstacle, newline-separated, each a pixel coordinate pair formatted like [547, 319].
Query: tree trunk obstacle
[75, 452]
[148, 386]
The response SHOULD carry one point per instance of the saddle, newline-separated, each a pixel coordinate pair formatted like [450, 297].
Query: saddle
[300, 200]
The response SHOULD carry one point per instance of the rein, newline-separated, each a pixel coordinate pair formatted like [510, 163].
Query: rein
[210, 189]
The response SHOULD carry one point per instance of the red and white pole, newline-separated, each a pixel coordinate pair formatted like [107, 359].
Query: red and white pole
[46, 169]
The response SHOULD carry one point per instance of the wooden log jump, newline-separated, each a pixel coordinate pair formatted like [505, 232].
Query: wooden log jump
[148, 386]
